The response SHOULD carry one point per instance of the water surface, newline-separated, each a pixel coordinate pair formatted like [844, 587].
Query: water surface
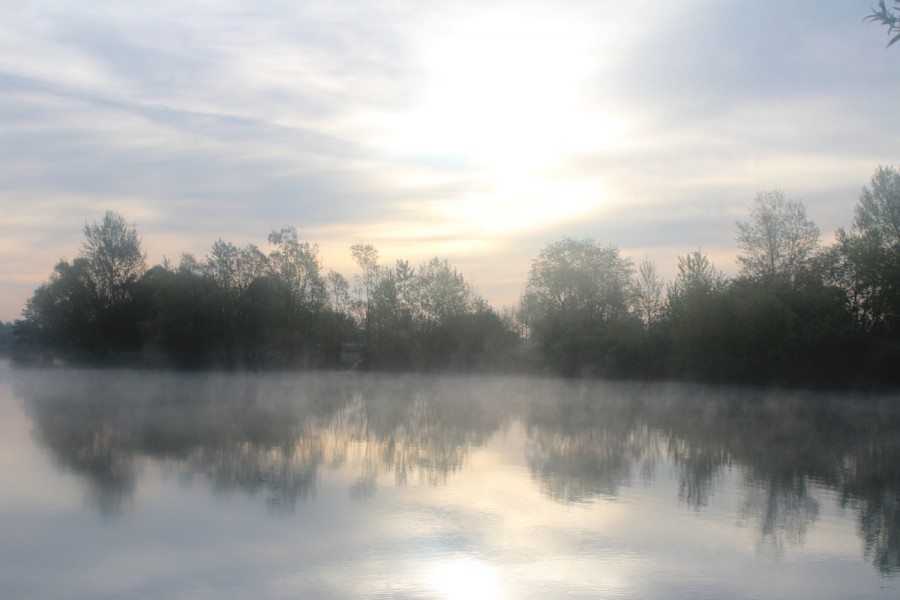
[162, 485]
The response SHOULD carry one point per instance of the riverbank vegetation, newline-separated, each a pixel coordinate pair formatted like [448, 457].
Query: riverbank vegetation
[797, 313]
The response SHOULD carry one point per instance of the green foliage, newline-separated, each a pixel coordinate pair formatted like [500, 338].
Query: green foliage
[865, 262]
[69, 315]
[579, 278]
[577, 302]
[425, 318]
[697, 280]
[792, 317]
[698, 320]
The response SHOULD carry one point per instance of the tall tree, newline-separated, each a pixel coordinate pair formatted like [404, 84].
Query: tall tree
[865, 261]
[61, 316]
[878, 211]
[648, 289]
[222, 264]
[297, 264]
[440, 292]
[698, 321]
[251, 264]
[778, 241]
[577, 300]
[697, 278]
[339, 301]
[366, 257]
[112, 249]
[579, 277]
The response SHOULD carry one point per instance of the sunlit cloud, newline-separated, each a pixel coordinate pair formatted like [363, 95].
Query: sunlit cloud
[470, 130]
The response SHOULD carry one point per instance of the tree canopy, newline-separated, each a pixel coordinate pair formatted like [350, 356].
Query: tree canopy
[795, 314]
[777, 241]
[112, 249]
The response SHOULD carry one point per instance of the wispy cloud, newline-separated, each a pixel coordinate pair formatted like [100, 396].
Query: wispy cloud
[475, 130]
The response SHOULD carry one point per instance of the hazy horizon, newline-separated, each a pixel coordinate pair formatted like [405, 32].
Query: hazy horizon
[477, 132]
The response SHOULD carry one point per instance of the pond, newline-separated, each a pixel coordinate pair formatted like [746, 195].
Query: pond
[119, 484]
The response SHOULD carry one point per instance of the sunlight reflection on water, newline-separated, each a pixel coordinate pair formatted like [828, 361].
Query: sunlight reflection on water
[338, 486]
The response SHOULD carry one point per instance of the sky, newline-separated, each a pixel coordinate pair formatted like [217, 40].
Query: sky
[477, 131]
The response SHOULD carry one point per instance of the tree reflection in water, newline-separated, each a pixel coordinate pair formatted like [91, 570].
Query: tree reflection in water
[276, 433]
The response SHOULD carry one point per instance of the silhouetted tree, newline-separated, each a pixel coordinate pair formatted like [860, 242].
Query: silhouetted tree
[297, 264]
[697, 279]
[86, 311]
[577, 299]
[698, 319]
[778, 240]
[366, 257]
[222, 264]
[6, 337]
[61, 316]
[878, 211]
[648, 286]
[339, 305]
[865, 261]
[112, 250]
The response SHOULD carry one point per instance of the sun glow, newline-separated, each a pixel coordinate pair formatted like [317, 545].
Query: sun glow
[465, 579]
[502, 100]
[504, 91]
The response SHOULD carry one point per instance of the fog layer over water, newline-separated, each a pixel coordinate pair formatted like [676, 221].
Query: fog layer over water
[141, 484]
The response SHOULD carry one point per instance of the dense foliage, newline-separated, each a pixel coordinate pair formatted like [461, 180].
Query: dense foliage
[796, 313]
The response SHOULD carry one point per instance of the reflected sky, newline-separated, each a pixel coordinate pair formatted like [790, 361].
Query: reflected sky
[136, 485]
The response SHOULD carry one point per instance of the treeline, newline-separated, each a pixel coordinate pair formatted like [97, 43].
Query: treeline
[797, 313]
[243, 308]
[6, 337]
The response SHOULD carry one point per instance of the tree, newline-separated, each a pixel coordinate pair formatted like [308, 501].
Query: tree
[697, 278]
[865, 261]
[439, 292]
[188, 265]
[648, 287]
[222, 264]
[86, 311]
[61, 316]
[778, 241]
[112, 249]
[878, 211]
[251, 264]
[889, 17]
[366, 257]
[577, 303]
[698, 322]
[339, 301]
[580, 277]
[297, 264]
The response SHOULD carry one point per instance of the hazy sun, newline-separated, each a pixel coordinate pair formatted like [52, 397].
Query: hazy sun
[502, 100]
[503, 89]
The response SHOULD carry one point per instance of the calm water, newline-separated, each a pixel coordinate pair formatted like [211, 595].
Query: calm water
[148, 485]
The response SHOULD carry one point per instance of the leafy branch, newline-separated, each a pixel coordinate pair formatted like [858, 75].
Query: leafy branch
[889, 17]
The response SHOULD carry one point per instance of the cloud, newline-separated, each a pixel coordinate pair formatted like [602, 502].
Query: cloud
[474, 130]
